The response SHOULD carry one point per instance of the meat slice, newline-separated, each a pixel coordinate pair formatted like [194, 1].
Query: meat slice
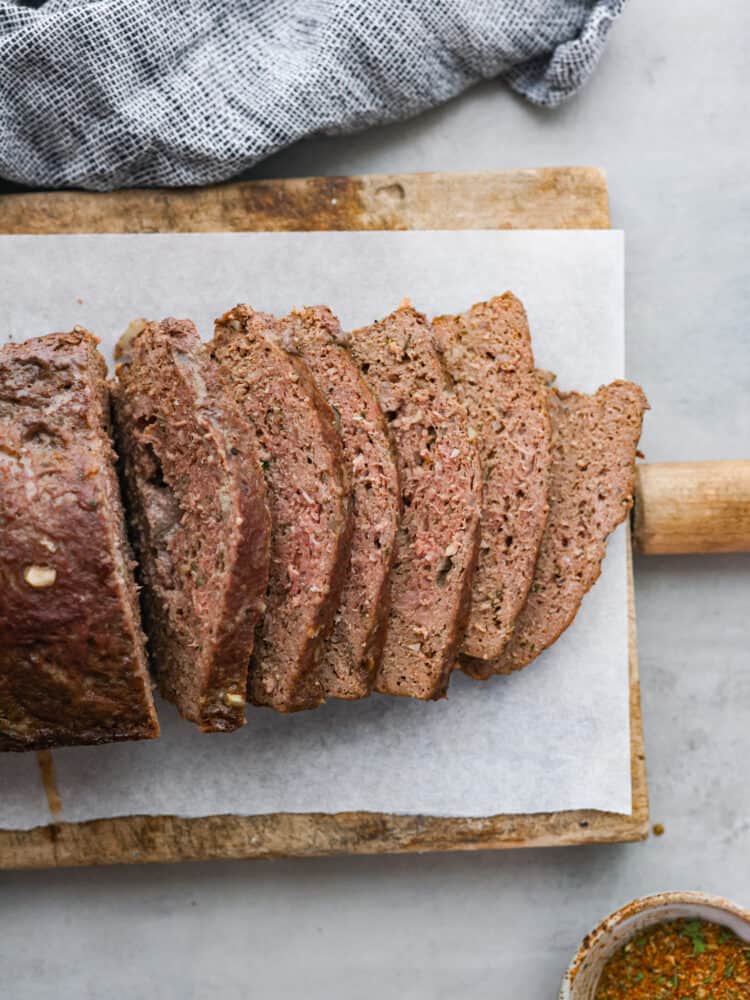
[352, 651]
[487, 352]
[73, 666]
[594, 441]
[441, 486]
[308, 496]
[198, 515]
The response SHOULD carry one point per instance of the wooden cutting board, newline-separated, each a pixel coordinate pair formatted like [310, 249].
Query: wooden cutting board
[548, 198]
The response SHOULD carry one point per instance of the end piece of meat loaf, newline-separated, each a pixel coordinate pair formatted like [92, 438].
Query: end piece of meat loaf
[197, 510]
[441, 484]
[488, 354]
[73, 666]
[308, 496]
[594, 441]
[353, 649]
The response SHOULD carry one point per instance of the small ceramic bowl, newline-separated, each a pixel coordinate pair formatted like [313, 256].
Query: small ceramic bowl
[600, 945]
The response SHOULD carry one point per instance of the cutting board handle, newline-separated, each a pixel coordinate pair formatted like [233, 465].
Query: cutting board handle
[683, 507]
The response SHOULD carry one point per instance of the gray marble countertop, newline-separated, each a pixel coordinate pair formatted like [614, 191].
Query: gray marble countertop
[668, 116]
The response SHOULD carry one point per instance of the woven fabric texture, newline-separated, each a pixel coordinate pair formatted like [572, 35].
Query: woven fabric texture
[102, 94]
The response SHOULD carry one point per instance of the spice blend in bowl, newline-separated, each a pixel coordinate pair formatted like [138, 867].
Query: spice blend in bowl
[676, 945]
[680, 958]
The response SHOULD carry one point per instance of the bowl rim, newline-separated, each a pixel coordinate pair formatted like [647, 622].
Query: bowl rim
[654, 901]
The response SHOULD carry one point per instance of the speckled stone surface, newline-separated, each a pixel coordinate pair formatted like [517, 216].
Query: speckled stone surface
[666, 114]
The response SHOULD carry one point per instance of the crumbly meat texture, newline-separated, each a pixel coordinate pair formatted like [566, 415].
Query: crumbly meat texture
[353, 649]
[441, 485]
[308, 496]
[198, 518]
[594, 442]
[73, 666]
[488, 354]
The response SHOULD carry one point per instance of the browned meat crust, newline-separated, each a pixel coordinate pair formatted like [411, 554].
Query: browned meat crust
[308, 496]
[72, 659]
[441, 484]
[200, 525]
[352, 651]
[594, 441]
[487, 352]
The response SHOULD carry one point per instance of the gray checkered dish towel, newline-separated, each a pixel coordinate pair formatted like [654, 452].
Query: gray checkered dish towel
[102, 94]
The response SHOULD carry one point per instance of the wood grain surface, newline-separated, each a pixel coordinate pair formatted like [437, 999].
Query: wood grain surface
[547, 198]
[551, 198]
[684, 507]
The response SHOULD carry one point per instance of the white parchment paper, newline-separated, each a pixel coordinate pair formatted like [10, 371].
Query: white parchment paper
[553, 737]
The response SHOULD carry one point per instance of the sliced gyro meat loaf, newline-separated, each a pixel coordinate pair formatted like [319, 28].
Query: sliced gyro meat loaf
[352, 650]
[594, 441]
[73, 666]
[441, 487]
[487, 352]
[198, 518]
[308, 496]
